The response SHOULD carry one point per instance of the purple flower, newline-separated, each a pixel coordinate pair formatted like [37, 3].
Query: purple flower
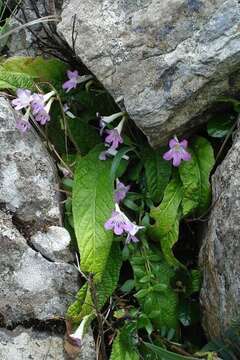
[113, 138]
[22, 125]
[105, 120]
[37, 103]
[22, 100]
[121, 191]
[118, 223]
[177, 152]
[72, 82]
[42, 117]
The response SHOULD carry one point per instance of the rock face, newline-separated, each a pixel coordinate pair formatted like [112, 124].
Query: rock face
[167, 60]
[219, 258]
[31, 286]
[28, 179]
[31, 344]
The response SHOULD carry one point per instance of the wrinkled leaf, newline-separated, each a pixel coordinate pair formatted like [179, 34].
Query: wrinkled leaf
[123, 347]
[92, 203]
[158, 172]
[167, 216]
[83, 304]
[14, 80]
[40, 69]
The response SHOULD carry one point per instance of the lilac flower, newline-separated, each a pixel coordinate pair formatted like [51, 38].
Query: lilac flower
[177, 152]
[41, 105]
[120, 224]
[113, 138]
[22, 125]
[37, 103]
[22, 100]
[72, 82]
[121, 191]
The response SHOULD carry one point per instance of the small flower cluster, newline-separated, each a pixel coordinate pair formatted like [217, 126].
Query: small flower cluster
[37, 105]
[119, 223]
[113, 138]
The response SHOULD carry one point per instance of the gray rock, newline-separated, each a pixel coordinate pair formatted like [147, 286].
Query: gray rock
[31, 344]
[31, 287]
[219, 257]
[53, 244]
[28, 177]
[168, 60]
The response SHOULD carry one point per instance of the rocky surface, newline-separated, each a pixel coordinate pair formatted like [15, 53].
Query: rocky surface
[53, 244]
[220, 251]
[167, 60]
[31, 344]
[31, 287]
[28, 177]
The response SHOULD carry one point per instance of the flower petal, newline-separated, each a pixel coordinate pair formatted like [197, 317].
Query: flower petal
[172, 143]
[168, 155]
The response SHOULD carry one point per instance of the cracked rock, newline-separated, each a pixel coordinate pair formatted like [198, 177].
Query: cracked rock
[28, 177]
[31, 344]
[31, 287]
[219, 257]
[53, 244]
[168, 60]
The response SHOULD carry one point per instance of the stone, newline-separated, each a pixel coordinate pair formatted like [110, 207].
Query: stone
[219, 256]
[31, 287]
[32, 344]
[28, 176]
[168, 61]
[53, 244]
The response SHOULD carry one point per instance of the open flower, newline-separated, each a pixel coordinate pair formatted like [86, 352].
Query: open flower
[121, 191]
[177, 151]
[72, 82]
[41, 105]
[113, 138]
[23, 99]
[120, 224]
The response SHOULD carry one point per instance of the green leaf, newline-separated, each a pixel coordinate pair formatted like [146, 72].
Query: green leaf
[83, 305]
[220, 126]
[123, 347]
[14, 80]
[40, 69]
[167, 216]
[195, 176]
[128, 285]
[157, 171]
[83, 135]
[92, 207]
[158, 301]
[205, 157]
[117, 160]
[165, 354]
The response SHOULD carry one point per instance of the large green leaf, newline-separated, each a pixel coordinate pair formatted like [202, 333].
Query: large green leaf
[195, 176]
[83, 135]
[153, 277]
[14, 80]
[157, 171]
[83, 305]
[167, 216]
[92, 206]
[45, 70]
[123, 348]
